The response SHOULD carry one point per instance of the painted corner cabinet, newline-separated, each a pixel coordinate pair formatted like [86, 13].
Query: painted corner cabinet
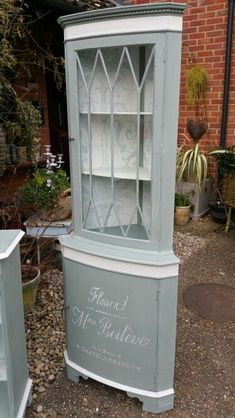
[15, 386]
[120, 272]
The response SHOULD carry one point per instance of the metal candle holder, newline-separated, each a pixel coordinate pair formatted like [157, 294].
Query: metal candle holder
[53, 162]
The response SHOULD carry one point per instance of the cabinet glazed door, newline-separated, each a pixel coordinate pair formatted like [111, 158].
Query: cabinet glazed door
[116, 107]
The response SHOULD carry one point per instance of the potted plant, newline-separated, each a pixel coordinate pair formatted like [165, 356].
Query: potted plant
[182, 208]
[50, 194]
[30, 280]
[196, 82]
[31, 267]
[191, 163]
[23, 131]
[192, 166]
[225, 158]
[217, 208]
[192, 175]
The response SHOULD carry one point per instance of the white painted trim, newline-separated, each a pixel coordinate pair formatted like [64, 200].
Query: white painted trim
[123, 26]
[135, 391]
[11, 247]
[119, 266]
[25, 398]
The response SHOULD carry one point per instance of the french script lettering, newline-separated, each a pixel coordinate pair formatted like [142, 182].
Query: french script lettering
[97, 296]
[125, 335]
[82, 319]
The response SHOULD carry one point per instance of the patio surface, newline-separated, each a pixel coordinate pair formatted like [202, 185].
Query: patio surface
[204, 376]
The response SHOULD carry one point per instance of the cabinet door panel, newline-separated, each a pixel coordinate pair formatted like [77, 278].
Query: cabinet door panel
[115, 94]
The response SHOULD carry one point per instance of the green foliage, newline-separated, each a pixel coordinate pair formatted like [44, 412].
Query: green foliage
[30, 120]
[191, 163]
[225, 157]
[35, 191]
[24, 130]
[182, 199]
[215, 199]
[20, 52]
[196, 82]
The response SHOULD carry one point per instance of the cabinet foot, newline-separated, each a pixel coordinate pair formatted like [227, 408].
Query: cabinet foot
[155, 405]
[74, 375]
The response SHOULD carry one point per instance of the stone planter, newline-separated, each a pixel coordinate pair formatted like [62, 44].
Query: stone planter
[30, 282]
[199, 196]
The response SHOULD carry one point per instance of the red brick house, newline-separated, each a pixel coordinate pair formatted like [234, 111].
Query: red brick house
[208, 33]
[208, 40]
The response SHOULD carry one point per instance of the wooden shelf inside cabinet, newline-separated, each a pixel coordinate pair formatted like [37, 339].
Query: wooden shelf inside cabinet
[127, 173]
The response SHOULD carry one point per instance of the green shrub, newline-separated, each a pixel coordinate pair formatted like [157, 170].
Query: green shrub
[182, 200]
[36, 191]
[196, 81]
[225, 157]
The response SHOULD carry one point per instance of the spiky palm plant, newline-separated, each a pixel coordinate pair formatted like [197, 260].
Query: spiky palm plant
[191, 163]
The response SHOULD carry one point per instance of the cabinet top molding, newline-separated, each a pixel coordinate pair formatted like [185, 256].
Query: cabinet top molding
[94, 21]
[8, 241]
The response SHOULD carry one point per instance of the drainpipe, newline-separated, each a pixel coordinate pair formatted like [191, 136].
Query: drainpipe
[231, 6]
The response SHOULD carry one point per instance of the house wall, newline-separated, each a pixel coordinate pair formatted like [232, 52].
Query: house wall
[204, 42]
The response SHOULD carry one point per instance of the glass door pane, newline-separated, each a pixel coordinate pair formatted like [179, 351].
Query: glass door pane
[115, 121]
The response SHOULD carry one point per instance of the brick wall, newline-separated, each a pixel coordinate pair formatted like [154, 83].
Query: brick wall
[204, 39]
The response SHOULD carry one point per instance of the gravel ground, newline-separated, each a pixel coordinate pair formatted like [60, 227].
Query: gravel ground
[203, 374]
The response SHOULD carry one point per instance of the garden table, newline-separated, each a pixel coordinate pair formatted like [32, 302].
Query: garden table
[38, 228]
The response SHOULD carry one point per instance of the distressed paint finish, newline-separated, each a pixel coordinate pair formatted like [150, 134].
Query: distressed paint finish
[166, 88]
[120, 289]
[116, 323]
[14, 382]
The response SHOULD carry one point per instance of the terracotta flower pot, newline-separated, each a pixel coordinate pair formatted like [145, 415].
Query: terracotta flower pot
[182, 215]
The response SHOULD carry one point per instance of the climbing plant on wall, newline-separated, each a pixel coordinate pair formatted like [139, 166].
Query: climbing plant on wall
[20, 52]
